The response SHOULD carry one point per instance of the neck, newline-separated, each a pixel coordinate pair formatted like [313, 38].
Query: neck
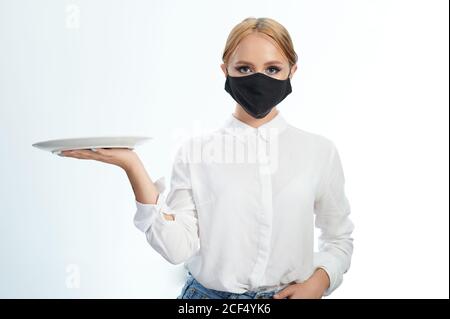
[243, 116]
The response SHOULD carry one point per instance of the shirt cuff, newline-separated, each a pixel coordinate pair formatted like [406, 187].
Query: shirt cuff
[146, 213]
[328, 263]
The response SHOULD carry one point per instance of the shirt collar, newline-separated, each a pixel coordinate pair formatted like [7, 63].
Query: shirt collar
[240, 129]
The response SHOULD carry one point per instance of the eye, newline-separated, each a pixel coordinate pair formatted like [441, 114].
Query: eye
[243, 69]
[273, 70]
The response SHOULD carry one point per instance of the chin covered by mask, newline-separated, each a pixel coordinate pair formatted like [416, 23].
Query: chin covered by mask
[257, 93]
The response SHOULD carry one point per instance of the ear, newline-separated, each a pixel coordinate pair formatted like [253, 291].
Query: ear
[223, 66]
[293, 69]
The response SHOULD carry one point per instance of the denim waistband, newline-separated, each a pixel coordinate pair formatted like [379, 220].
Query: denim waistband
[252, 293]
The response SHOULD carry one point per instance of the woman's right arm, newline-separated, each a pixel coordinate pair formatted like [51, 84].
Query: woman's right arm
[145, 191]
[174, 238]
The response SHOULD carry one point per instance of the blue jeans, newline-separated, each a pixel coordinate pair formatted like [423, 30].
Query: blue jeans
[194, 290]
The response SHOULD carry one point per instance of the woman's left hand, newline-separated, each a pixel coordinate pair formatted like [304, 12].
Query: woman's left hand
[313, 288]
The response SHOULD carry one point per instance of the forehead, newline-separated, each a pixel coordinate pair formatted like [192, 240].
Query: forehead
[257, 48]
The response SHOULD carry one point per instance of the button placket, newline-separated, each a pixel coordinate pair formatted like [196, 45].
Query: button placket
[264, 217]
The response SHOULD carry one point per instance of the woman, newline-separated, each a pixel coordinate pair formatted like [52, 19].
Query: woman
[241, 214]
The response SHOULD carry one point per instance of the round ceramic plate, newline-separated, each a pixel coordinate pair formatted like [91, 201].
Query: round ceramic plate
[56, 146]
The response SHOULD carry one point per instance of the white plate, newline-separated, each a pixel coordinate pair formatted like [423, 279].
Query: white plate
[56, 146]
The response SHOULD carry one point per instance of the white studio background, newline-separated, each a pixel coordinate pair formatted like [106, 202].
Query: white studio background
[373, 77]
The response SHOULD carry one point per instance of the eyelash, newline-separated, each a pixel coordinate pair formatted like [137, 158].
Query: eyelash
[277, 69]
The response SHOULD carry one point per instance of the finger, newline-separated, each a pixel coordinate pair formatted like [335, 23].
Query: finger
[88, 154]
[286, 292]
[75, 151]
[103, 151]
[78, 155]
[84, 154]
[66, 153]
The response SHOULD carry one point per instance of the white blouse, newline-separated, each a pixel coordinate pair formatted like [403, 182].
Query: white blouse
[246, 201]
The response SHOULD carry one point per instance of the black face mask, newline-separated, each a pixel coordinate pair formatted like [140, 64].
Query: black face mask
[258, 93]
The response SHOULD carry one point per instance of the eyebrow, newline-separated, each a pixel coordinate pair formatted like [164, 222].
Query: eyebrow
[267, 63]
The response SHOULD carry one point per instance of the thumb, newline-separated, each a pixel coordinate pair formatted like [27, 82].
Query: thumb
[283, 293]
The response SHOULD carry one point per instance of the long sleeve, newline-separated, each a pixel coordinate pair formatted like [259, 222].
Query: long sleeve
[332, 210]
[176, 240]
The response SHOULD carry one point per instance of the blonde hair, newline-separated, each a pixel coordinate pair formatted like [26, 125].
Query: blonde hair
[267, 26]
